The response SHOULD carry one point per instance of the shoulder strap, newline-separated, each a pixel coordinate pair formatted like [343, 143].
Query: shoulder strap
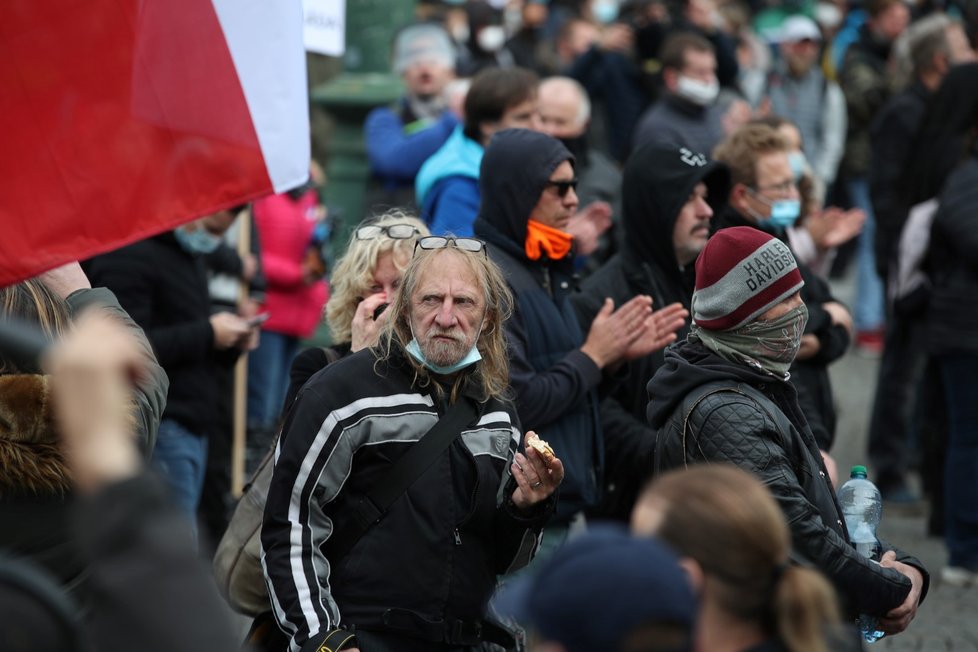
[709, 390]
[332, 355]
[689, 413]
[374, 505]
[659, 443]
[758, 399]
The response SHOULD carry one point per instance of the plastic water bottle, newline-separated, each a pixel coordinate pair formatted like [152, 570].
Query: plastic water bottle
[862, 507]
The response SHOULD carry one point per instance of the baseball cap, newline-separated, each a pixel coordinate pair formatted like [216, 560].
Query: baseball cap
[423, 42]
[798, 28]
[601, 588]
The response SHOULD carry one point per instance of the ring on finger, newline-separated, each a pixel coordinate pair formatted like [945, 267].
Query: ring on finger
[537, 484]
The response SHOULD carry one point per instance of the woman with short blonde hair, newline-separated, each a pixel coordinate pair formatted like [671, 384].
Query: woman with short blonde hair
[387, 240]
[364, 281]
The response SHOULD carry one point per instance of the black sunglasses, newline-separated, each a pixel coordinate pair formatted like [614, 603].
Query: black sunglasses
[563, 186]
[395, 231]
[471, 245]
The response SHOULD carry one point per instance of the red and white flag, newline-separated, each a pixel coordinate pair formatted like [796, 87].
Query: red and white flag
[125, 118]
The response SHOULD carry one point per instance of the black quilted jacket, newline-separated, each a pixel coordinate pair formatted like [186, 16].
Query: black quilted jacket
[707, 409]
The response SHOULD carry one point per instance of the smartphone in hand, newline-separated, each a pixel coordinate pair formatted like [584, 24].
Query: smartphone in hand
[258, 319]
[379, 310]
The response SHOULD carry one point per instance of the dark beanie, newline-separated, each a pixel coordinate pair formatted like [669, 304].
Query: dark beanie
[740, 274]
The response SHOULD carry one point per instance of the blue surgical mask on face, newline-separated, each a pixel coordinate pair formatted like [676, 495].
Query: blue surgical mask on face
[784, 213]
[470, 358]
[798, 164]
[197, 242]
[605, 11]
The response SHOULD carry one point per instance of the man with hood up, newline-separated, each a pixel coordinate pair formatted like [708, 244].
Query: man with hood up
[669, 195]
[724, 395]
[527, 186]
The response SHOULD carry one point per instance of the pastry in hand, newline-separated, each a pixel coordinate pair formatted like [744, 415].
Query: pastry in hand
[542, 447]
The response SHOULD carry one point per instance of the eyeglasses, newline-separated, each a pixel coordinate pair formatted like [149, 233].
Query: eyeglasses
[441, 242]
[781, 188]
[395, 231]
[563, 186]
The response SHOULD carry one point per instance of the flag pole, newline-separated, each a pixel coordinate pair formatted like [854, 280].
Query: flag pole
[239, 432]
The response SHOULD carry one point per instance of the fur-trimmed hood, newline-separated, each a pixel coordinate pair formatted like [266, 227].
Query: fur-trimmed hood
[30, 450]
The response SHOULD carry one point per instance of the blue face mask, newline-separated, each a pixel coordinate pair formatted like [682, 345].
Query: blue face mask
[605, 11]
[798, 164]
[784, 213]
[468, 359]
[197, 242]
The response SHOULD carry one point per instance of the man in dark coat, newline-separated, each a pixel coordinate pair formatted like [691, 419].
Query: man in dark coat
[162, 283]
[669, 196]
[865, 80]
[936, 43]
[724, 395]
[527, 186]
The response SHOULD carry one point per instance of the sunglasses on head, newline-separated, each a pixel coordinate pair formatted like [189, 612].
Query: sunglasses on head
[471, 245]
[395, 231]
[563, 186]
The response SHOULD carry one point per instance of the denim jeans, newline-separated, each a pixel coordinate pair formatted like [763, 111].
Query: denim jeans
[960, 375]
[868, 306]
[268, 378]
[181, 456]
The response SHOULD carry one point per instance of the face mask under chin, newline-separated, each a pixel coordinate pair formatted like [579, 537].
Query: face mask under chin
[197, 242]
[470, 358]
[698, 92]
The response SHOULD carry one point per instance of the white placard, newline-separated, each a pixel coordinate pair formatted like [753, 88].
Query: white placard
[324, 30]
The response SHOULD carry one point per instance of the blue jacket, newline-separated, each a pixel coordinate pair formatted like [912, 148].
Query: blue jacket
[397, 150]
[554, 381]
[447, 186]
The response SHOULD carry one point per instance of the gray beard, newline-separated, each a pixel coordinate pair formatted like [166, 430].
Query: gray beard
[443, 354]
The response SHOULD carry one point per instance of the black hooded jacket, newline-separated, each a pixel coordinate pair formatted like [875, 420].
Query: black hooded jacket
[657, 183]
[706, 409]
[553, 380]
[164, 289]
[810, 377]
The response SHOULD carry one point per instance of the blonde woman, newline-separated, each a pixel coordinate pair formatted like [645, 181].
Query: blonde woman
[735, 545]
[363, 284]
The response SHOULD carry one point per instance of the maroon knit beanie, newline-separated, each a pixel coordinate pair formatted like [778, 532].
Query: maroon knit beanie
[740, 274]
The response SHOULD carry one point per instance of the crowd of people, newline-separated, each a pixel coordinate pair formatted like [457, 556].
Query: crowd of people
[609, 225]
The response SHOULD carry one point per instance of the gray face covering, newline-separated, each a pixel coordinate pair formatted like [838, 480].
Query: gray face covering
[768, 345]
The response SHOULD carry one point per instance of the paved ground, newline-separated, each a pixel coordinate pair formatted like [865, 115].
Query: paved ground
[948, 619]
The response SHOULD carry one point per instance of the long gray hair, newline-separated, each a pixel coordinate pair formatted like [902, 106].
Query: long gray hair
[492, 374]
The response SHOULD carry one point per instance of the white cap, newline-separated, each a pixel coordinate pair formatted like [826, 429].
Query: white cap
[828, 15]
[798, 28]
[423, 41]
